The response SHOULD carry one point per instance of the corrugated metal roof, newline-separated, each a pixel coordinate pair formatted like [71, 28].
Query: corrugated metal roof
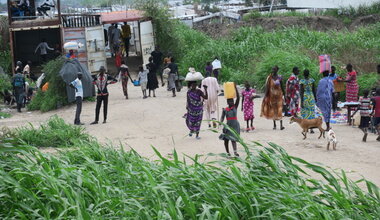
[218, 14]
[121, 16]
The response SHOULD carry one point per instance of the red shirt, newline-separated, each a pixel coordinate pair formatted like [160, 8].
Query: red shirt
[377, 107]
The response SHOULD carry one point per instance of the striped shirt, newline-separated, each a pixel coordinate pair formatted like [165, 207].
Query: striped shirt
[365, 104]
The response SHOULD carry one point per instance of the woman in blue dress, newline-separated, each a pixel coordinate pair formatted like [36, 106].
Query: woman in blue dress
[325, 97]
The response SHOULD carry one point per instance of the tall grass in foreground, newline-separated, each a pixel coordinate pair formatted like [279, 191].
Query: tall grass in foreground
[54, 133]
[97, 182]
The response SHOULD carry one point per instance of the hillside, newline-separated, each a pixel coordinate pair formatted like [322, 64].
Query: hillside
[317, 23]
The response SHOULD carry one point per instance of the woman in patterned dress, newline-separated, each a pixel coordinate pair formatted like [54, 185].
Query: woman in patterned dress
[195, 108]
[307, 97]
[247, 99]
[352, 88]
[293, 92]
[273, 99]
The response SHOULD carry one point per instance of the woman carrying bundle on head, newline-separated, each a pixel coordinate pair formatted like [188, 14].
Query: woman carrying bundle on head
[194, 104]
[194, 108]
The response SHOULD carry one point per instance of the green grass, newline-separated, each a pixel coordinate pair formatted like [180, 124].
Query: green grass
[5, 115]
[350, 13]
[92, 181]
[5, 82]
[54, 133]
[256, 14]
[249, 53]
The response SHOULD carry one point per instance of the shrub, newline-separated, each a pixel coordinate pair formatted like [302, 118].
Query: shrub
[56, 95]
[5, 60]
[367, 81]
[54, 133]
[286, 60]
[5, 82]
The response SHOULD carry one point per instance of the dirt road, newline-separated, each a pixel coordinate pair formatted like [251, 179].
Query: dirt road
[142, 123]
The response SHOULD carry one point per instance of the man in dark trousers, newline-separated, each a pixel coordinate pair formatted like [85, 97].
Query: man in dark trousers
[77, 85]
[101, 82]
[158, 61]
[18, 84]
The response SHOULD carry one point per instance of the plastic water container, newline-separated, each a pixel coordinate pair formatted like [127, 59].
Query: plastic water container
[136, 83]
[229, 90]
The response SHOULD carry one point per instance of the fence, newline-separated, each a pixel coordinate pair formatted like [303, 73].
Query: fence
[77, 20]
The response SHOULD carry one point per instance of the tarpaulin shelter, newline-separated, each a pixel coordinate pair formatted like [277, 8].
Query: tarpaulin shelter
[69, 73]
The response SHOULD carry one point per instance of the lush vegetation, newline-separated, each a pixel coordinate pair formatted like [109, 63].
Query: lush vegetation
[4, 115]
[5, 82]
[54, 133]
[348, 14]
[250, 52]
[56, 95]
[92, 181]
[345, 14]
[257, 14]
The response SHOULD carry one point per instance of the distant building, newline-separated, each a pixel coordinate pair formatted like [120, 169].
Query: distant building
[324, 4]
[219, 18]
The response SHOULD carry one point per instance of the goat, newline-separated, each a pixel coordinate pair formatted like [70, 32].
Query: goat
[307, 124]
[331, 137]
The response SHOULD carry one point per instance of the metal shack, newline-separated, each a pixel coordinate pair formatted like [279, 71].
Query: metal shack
[142, 40]
[29, 26]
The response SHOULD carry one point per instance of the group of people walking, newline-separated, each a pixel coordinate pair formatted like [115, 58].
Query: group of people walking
[286, 98]
[296, 97]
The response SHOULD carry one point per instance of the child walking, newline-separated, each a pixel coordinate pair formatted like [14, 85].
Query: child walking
[143, 78]
[365, 112]
[376, 112]
[230, 113]
[247, 107]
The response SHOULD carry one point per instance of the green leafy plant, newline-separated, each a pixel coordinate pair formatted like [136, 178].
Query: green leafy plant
[5, 115]
[56, 95]
[5, 82]
[54, 133]
[249, 53]
[91, 181]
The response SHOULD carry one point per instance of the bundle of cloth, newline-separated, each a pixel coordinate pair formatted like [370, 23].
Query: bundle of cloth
[192, 75]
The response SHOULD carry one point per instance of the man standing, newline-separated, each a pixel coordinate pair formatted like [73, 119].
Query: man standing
[101, 81]
[77, 85]
[116, 34]
[18, 84]
[126, 34]
[44, 7]
[110, 34]
[157, 60]
[43, 46]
